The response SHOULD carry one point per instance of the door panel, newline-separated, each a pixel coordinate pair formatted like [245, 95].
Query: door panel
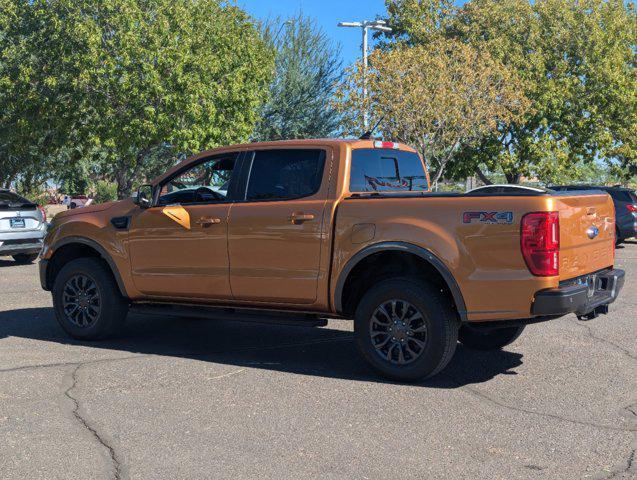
[275, 235]
[181, 251]
[272, 256]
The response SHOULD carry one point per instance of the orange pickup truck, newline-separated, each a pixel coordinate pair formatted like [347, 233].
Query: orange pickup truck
[301, 231]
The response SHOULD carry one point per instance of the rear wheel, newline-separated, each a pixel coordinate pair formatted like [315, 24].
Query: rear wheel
[483, 339]
[406, 329]
[25, 258]
[87, 302]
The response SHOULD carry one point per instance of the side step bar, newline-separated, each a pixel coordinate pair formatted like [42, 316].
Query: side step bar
[232, 314]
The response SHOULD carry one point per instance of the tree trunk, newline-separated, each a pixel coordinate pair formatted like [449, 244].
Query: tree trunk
[483, 178]
[513, 177]
[124, 185]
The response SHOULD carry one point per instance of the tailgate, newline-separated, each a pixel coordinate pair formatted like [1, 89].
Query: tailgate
[587, 233]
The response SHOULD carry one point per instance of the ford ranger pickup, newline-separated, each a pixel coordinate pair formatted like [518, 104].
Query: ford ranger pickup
[302, 231]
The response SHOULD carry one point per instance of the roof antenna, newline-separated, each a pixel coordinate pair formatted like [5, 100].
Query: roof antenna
[368, 134]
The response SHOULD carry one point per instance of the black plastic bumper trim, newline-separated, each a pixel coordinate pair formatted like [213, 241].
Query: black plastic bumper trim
[576, 299]
[42, 266]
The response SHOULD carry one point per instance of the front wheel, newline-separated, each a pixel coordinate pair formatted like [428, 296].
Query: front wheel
[406, 329]
[25, 258]
[87, 302]
[482, 339]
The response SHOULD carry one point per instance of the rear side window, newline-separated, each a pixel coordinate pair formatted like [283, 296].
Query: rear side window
[285, 174]
[384, 170]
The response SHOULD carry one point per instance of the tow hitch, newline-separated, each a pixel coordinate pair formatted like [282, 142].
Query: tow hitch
[596, 312]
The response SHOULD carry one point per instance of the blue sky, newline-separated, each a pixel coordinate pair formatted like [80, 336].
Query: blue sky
[327, 13]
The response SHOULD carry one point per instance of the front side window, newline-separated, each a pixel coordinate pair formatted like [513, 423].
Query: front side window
[384, 170]
[205, 182]
[285, 174]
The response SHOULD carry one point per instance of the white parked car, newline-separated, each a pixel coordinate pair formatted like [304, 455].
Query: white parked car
[76, 201]
[22, 227]
[508, 189]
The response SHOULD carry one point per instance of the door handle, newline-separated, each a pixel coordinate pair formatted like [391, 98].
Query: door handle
[299, 217]
[207, 221]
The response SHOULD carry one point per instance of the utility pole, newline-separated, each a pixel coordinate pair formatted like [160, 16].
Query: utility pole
[366, 25]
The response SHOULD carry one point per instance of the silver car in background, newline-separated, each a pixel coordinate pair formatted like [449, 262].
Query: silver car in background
[22, 227]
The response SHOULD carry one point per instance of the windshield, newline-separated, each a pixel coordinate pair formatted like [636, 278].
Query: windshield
[387, 170]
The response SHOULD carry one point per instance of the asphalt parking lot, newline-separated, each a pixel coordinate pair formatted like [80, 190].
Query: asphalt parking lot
[182, 398]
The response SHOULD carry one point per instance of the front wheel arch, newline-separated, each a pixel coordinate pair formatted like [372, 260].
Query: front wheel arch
[71, 248]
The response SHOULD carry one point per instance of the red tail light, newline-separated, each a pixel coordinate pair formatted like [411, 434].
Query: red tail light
[632, 208]
[540, 243]
[41, 208]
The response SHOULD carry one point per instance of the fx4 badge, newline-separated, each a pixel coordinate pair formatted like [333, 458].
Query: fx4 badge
[487, 217]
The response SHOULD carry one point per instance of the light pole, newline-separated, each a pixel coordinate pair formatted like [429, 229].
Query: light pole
[366, 25]
[283, 25]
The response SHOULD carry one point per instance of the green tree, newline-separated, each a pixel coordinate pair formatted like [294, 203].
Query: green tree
[27, 131]
[140, 82]
[576, 61]
[437, 96]
[419, 21]
[105, 191]
[308, 69]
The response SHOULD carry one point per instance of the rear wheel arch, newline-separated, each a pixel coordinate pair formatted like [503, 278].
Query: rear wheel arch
[411, 259]
[71, 248]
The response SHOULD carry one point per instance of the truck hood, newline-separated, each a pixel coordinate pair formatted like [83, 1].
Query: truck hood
[90, 209]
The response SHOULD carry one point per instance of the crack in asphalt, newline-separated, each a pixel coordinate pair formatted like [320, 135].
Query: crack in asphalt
[501, 404]
[630, 461]
[117, 472]
[117, 466]
[69, 364]
[627, 470]
[605, 340]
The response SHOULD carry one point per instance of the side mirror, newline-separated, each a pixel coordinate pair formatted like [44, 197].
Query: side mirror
[144, 197]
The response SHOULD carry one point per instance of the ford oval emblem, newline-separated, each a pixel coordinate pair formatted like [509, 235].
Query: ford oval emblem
[592, 232]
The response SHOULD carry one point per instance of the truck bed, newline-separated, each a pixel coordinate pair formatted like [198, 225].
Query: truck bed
[484, 256]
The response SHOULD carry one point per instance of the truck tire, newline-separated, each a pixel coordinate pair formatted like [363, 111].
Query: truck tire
[87, 302]
[25, 258]
[406, 329]
[618, 239]
[479, 339]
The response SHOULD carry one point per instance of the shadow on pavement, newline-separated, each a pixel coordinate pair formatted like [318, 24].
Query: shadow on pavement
[8, 263]
[322, 352]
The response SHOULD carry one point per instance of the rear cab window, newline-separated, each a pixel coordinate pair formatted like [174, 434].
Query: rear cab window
[387, 170]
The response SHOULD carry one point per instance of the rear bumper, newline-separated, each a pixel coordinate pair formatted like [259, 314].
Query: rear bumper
[22, 241]
[599, 290]
[33, 246]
